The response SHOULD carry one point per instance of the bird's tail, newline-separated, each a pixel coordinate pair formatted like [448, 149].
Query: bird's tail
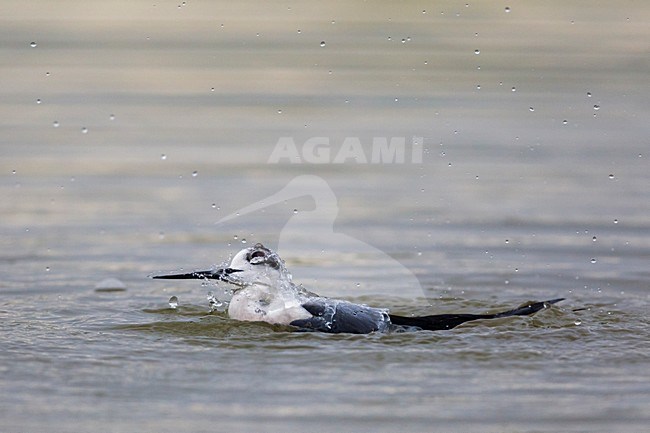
[439, 322]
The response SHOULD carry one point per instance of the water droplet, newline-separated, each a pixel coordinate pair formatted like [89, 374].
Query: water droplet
[593, 260]
[163, 156]
[578, 322]
[611, 176]
[424, 11]
[596, 107]
[84, 130]
[55, 123]
[235, 237]
[507, 9]
[322, 43]
[477, 52]
[588, 94]
[507, 241]
[514, 89]
[531, 109]
[173, 302]
[214, 205]
[47, 269]
[243, 241]
[478, 87]
[111, 117]
[279, 111]
[13, 171]
[47, 74]
[33, 44]
[195, 173]
[594, 239]
[295, 211]
[38, 101]
[516, 269]
[161, 235]
[564, 122]
[615, 221]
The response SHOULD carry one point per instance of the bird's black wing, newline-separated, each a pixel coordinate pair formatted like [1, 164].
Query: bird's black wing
[438, 322]
[335, 317]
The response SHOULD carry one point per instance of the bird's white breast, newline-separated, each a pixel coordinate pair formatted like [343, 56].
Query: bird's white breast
[264, 304]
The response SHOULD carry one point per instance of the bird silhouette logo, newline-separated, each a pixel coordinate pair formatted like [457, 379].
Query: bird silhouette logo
[312, 233]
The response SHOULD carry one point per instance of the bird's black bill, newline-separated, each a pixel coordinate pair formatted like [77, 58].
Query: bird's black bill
[218, 274]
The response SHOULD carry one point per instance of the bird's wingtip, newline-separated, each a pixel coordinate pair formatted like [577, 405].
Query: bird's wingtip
[555, 301]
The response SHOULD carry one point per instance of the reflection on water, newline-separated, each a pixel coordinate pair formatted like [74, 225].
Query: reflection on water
[129, 129]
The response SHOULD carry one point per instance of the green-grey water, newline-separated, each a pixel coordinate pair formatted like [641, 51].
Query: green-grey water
[131, 129]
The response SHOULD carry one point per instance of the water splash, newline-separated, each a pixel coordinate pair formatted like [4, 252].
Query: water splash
[110, 285]
[217, 304]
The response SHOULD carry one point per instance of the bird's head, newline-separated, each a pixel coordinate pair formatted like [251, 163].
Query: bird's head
[257, 265]
[253, 265]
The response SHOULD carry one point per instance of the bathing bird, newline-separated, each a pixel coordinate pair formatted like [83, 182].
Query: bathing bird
[264, 292]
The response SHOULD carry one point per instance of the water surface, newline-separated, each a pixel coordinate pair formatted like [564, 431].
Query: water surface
[131, 129]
